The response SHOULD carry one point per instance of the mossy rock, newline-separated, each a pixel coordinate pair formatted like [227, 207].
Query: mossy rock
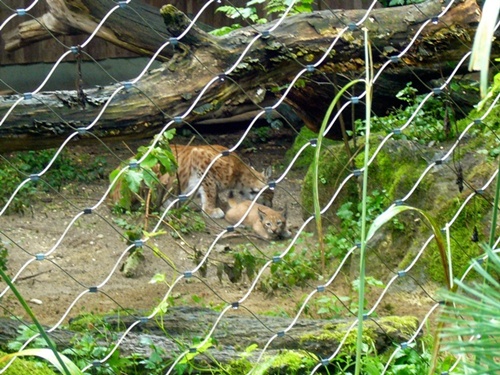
[335, 166]
[289, 362]
[307, 156]
[398, 166]
[374, 334]
[22, 366]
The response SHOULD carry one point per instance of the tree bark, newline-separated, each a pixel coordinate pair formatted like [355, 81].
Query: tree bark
[180, 325]
[141, 110]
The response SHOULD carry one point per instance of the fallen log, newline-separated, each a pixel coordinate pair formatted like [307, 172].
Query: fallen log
[236, 332]
[141, 110]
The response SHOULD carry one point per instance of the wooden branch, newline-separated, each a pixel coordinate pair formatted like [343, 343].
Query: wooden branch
[137, 27]
[35, 30]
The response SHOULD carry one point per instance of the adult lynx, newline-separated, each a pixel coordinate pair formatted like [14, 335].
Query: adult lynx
[228, 173]
[266, 222]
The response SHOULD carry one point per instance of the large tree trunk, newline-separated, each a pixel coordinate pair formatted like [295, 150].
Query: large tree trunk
[143, 109]
[180, 325]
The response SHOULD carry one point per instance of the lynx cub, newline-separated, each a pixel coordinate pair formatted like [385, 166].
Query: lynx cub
[228, 173]
[266, 222]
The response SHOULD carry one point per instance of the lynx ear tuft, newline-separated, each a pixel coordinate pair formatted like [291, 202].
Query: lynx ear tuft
[268, 172]
[262, 214]
[284, 212]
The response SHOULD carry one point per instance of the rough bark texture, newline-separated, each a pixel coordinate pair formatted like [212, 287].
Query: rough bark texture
[143, 109]
[236, 332]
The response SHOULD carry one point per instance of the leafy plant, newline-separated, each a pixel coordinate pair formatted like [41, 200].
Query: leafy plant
[432, 122]
[295, 270]
[26, 332]
[339, 242]
[330, 307]
[67, 168]
[471, 318]
[155, 362]
[140, 182]
[184, 220]
[87, 348]
[250, 14]
[57, 359]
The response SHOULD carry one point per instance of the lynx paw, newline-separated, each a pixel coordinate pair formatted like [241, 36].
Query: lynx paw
[216, 213]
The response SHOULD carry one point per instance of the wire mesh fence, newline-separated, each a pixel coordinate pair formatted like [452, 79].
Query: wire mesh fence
[66, 253]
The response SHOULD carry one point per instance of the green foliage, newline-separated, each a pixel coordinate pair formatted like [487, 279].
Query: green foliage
[25, 332]
[296, 269]
[335, 307]
[250, 14]
[471, 315]
[331, 307]
[306, 157]
[432, 122]
[280, 6]
[159, 161]
[337, 242]
[245, 261]
[87, 348]
[183, 220]
[67, 168]
[133, 231]
[23, 367]
[4, 253]
[154, 363]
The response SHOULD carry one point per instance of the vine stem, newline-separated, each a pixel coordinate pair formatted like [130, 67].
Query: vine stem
[35, 321]
[361, 290]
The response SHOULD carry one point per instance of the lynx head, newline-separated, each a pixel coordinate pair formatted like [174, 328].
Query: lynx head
[250, 191]
[274, 223]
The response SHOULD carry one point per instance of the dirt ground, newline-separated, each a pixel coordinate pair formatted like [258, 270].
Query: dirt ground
[83, 251]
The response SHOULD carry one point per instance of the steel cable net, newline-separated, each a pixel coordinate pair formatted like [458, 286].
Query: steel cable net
[46, 253]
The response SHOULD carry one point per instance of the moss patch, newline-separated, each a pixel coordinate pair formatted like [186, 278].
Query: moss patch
[307, 156]
[22, 366]
[332, 335]
[404, 325]
[333, 169]
[292, 362]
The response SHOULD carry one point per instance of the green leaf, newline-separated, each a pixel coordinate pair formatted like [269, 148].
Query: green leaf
[393, 211]
[167, 161]
[225, 30]
[113, 174]
[49, 356]
[134, 179]
[158, 278]
[150, 161]
[150, 178]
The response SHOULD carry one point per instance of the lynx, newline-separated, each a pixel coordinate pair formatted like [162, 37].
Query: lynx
[227, 173]
[266, 222]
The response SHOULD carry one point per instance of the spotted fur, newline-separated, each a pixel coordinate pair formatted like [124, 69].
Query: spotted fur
[227, 173]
